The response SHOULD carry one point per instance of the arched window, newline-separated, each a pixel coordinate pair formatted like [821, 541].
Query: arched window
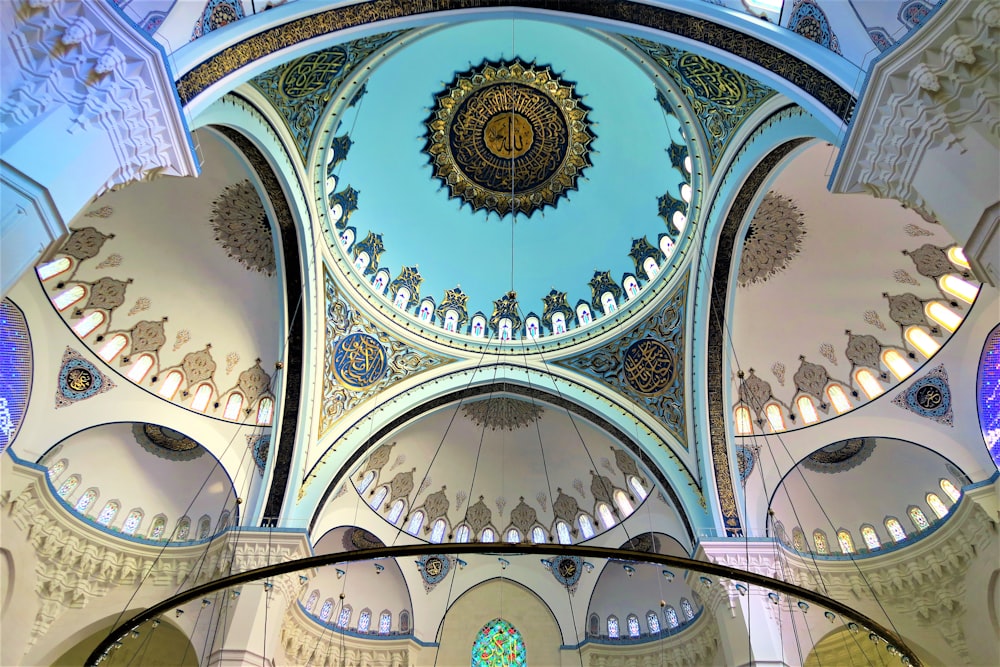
[584, 315]
[384, 623]
[798, 539]
[396, 511]
[158, 527]
[183, 529]
[366, 481]
[56, 469]
[132, 522]
[607, 518]
[53, 268]
[404, 621]
[687, 609]
[531, 328]
[513, 536]
[84, 327]
[958, 288]
[895, 529]
[897, 364]
[538, 535]
[140, 368]
[632, 622]
[336, 213]
[870, 537]
[650, 267]
[613, 627]
[347, 237]
[686, 192]
[326, 610]
[451, 321]
[108, 514]
[85, 501]
[462, 534]
[499, 643]
[623, 503]
[743, 424]
[941, 314]
[113, 347]
[774, 417]
[951, 490]
[67, 487]
[364, 621]
[653, 623]
[846, 541]
[379, 496]
[918, 518]
[586, 526]
[839, 398]
[362, 261]
[807, 410]
[204, 527]
[223, 521]
[311, 602]
[562, 533]
[922, 340]
[637, 487]
[67, 298]
[171, 384]
[265, 411]
[488, 535]
[558, 323]
[381, 282]
[202, 396]
[416, 522]
[402, 298]
[478, 326]
[666, 246]
[506, 329]
[819, 540]
[868, 383]
[632, 289]
[687, 164]
[344, 617]
[595, 625]
[957, 257]
[233, 406]
[679, 220]
[426, 310]
[935, 504]
[608, 303]
[671, 615]
[437, 531]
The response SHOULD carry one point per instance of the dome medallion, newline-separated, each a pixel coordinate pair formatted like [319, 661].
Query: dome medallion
[508, 136]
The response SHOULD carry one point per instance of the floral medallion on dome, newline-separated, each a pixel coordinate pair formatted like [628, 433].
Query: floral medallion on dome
[503, 413]
[242, 228]
[79, 379]
[773, 239]
[509, 136]
[840, 456]
[166, 443]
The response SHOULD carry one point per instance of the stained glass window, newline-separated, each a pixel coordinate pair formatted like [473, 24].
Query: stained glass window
[586, 526]
[462, 534]
[366, 481]
[396, 511]
[917, 517]
[364, 621]
[839, 399]
[344, 618]
[132, 522]
[499, 644]
[666, 246]
[379, 496]
[265, 411]
[562, 532]
[233, 406]
[845, 541]
[608, 303]
[607, 519]
[384, 623]
[201, 398]
[958, 288]
[868, 383]
[653, 623]
[774, 417]
[488, 535]
[107, 514]
[311, 602]
[595, 625]
[896, 363]
[326, 610]
[437, 531]
[943, 315]
[513, 536]
[743, 424]
[922, 340]
[870, 537]
[204, 527]
[56, 469]
[957, 256]
[623, 503]
[85, 501]
[687, 609]
[613, 627]
[637, 488]
[85, 326]
[171, 384]
[951, 490]
[633, 625]
[798, 539]
[416, 521]
[895, 529]
[538, 535]
[183, 528]
[68, 486]
[671, 615]
[404, 621]
[807, 409]
[819, 539]
[936, 505]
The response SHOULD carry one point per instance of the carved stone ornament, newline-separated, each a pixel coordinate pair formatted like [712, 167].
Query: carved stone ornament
[107, 294]
[436, 505]
[523, 516]
[627, 464]
[84, 243]
[242, 229]
[811, 379]
[863, 350]
[198, 366]
[478, 516]
[773, 239]
[601, 487]
[254, 381]
[930, 261]
[147, 336]
[400, 486]
[906, 309]
[503, 413]
[378, 459]
[565, 507]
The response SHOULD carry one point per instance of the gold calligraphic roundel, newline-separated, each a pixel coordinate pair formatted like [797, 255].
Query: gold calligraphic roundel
[359, 361]
[649, 366]
[508, 136]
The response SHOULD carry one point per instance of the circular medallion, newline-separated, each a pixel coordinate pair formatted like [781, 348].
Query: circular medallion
[648, 366]
[509, 136]
[78, 379]
[433, 568]
[359, 361]
[930, 397]
[567, 569]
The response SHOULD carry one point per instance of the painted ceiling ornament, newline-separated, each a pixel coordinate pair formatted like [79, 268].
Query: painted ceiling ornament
[872, 318]
[242, 229]
[929, 397]
[260, 447]
[808, 20]
[840, 456]
[930, 261]
[508, 135]
[755, 391]
[745, 460]
[79, 380]
[433, 569]
[102, 212]
[359, 361]
[84, 243]
[502, 413]
[254, 381]
[773, 238]
[863, 350]
[198, 366]
[216, 14]
[166, 443]
[356, 539]
[567, 571]
[778, 370]
[811, 378]
[146, 336]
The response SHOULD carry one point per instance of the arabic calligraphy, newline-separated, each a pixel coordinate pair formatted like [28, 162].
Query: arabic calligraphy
[929, 397]
[359, 361]
[433, 566]
[79, 379]
[508, 135]
[313, 72]
[648, 366]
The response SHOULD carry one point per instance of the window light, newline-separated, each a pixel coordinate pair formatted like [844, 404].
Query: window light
[958, 288]
[622, 501]
[937, 505]
[922, 340]
[869, 384]
[943, 315]
[774, 417]
[607, 518]
[53, 268]
[416, 521]
[233, 406]
[839, 399]
[201, 398]
[437, 531]
[743, 424]
[897, 364]
[86, 326]
[807, 409]
[171, 384]
[957, 257]
[265, 411]
[67, 298]
[113, 347]
[951, 490]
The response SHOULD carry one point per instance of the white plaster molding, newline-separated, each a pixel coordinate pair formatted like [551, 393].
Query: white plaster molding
[88, 57]
[307, 643]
